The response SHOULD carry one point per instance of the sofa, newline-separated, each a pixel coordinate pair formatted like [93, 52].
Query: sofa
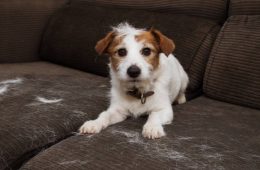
[52, 80]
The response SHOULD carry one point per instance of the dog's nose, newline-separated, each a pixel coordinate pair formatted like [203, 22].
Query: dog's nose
[133, 71]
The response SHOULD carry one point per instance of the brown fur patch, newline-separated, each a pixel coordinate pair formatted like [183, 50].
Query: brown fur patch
[102, 45]
[115, 61]
[148, 39]
[166, 45]
[107, 45]
[112, 51]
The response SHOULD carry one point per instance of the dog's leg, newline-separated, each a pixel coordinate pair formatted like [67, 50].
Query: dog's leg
[153, 127]
[181, 98]
[184, 83]
[106, 118]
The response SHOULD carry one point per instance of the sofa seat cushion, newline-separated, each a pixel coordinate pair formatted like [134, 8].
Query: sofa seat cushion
[42, 103]
[206, 134]
[73, 32]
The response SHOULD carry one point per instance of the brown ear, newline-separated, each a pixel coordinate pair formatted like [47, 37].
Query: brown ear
[102, 45]
[166, 45]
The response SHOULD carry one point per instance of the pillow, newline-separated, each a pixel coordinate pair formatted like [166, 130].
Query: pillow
[233, 70]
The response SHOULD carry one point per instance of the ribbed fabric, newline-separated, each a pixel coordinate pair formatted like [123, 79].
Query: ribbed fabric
[74, 31]
[197, 66]
[206, 134]
[233, 71]
[213, 9]
[21, 27]
[244, 7]
[27, 125]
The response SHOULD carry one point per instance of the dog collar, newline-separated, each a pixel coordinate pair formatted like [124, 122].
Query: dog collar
[139, 95]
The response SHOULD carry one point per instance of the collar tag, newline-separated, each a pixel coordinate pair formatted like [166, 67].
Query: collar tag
[137, 94]
[143, 98]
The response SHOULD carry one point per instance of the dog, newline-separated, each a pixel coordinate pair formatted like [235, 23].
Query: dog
[146, 78]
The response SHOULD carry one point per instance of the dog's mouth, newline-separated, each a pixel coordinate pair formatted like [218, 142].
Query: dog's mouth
[134, 81]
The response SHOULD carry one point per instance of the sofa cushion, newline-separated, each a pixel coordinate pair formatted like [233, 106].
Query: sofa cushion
[206, 134]
[22, 24]
[244, 7]
[73, 32]
[233, 70]
[42, 103]
[213, 9]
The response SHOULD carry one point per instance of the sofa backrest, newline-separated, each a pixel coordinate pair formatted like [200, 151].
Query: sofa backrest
[73, 32]
[213, 9]
[244, 7]
[21, 26]
[233, 70]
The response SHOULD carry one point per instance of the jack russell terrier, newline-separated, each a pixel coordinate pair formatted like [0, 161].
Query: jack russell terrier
[146, 78]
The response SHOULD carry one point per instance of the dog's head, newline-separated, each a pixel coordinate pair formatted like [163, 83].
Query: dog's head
[134, 53]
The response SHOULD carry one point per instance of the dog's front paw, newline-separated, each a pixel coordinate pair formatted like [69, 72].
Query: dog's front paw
[91, 126]
[153, 131]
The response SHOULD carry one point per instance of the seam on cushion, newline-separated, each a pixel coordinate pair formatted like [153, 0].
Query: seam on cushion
[198, 48]
[214, 51]
[23, 159]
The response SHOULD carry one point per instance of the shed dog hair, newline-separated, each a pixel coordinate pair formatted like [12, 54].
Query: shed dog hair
[146, 78]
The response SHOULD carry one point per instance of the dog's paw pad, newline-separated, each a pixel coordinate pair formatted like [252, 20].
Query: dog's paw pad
[91, 126]
[153, 131]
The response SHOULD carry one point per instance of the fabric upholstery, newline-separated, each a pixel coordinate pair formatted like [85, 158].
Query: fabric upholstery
[21, 27]
[28, 123]
[198, 64]
[244, 7]
[73, 32]
[233, 71]
[214, 9]
[206, 134]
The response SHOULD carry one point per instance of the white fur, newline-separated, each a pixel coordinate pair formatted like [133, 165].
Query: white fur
[47, 101]
[168, 81]
[3, 89]
[4, 85]
[12, 81]
[126, 29]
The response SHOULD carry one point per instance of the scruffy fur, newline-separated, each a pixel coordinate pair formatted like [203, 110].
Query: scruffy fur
[161, 72]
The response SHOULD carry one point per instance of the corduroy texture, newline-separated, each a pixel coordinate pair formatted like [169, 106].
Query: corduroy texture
[244, 7]
[197, 67]
[27, 124]
[233, 70]
[73, 32]
[213, 9]
[206, 134]
[21, 26]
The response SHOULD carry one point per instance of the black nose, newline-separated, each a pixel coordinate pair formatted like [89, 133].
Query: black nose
[133, 71]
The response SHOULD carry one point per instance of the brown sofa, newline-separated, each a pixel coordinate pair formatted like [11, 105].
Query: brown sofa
[47, 52]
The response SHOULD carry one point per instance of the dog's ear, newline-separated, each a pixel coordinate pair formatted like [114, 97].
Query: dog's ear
[102, 45]
[166, 45]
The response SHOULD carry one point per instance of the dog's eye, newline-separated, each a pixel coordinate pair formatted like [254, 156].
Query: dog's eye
[146, 51]
[122, 52]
